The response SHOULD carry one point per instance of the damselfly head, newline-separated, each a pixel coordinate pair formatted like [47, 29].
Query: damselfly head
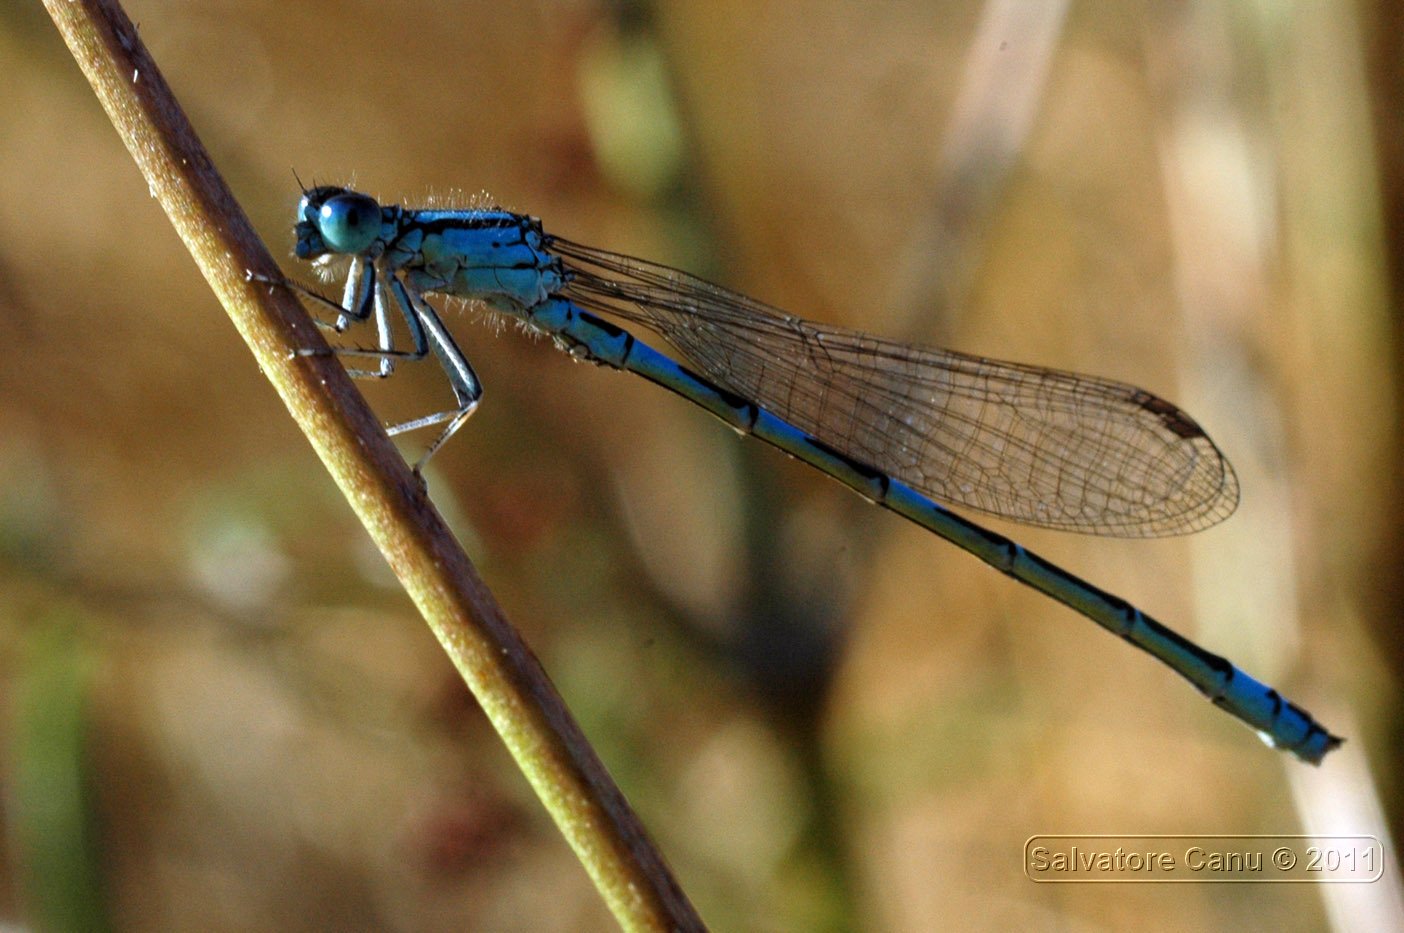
[331, 219]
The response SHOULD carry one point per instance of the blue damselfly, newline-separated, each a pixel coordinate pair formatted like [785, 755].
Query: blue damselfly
[904, 426]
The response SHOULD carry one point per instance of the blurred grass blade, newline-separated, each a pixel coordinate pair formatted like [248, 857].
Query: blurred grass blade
[52, 819]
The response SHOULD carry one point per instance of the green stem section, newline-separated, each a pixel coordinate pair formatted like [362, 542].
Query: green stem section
[495, 663]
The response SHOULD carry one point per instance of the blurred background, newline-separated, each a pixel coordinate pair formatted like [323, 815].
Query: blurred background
[217, 709]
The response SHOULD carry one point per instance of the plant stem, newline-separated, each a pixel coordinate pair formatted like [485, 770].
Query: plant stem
[390, 500]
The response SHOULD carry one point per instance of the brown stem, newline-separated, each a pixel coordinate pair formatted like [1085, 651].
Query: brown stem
[496, 664]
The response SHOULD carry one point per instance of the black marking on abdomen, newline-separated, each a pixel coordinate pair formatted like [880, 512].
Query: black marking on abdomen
[857, 466]
[1221, 666]
[993, 539]
[610, 328]
[731, 399]
[1278, 703]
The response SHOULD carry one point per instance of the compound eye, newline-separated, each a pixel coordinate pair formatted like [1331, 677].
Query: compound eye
[349, 222]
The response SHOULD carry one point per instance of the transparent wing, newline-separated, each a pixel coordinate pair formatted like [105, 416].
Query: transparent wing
[1040, 446]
